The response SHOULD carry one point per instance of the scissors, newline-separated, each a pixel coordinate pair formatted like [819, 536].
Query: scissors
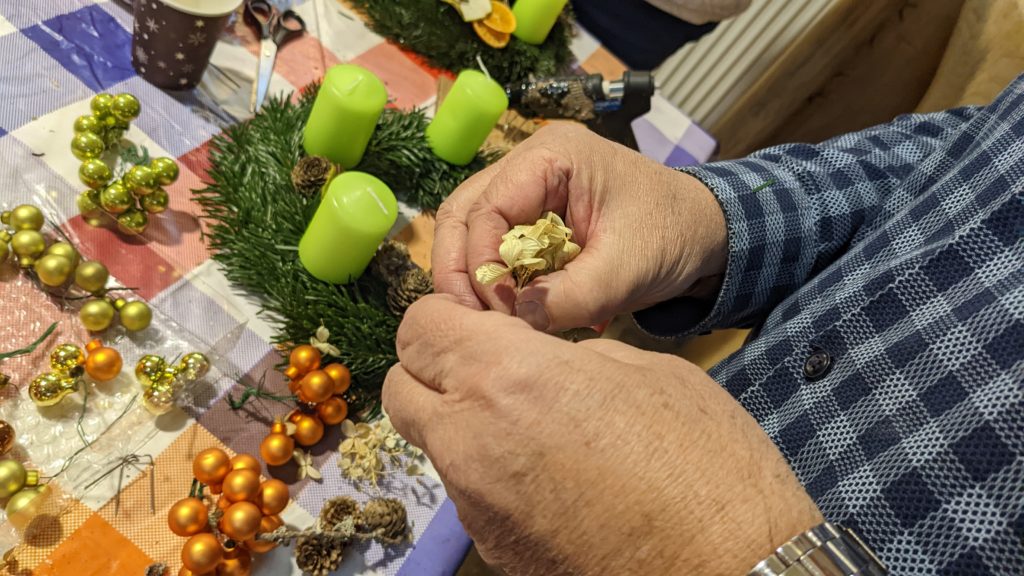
[275, 29]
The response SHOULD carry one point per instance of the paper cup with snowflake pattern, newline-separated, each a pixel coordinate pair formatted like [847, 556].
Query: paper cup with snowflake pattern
[172, 40]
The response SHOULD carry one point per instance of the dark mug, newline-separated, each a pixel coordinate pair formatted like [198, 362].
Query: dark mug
[172, 40]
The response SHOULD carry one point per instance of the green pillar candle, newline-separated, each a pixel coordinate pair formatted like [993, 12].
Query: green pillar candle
[345, 114]
[354, 216]
[473, 106]
[536, 18]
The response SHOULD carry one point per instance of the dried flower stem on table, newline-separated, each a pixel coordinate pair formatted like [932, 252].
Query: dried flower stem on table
[531, 250]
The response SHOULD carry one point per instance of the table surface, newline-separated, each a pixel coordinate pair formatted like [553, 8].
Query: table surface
[54, 56]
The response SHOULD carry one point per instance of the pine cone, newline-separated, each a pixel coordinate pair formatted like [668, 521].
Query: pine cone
[415, 283]
[311, 174]
[391, 262]
[317, 554]
[385, 519]
[156, 569]
[336, 510]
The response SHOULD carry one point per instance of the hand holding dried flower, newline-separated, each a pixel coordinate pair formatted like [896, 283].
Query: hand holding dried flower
[530, 251]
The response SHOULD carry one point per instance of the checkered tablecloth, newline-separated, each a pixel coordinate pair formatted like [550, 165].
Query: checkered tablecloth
[54, 56]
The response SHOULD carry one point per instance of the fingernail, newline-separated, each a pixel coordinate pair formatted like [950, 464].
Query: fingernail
[534, 314]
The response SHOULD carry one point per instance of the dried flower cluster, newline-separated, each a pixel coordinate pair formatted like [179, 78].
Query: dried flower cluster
[368, 448]
[531, 250]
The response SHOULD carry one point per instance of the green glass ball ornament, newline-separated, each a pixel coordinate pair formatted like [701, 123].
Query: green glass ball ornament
[64, 249]
[133, 221]
[140, 180]
[50, 388]
[194, 366]
[166, 170]
[53, 270]
[116, 199]
[12, 477]
[91, 276]
[28, 244]
[125, 107]
[112, 136]
[88, 123]
[158, 400]
[24, 506]
[89, 204]
[96, 315]
[149, 370]
[101, 104]
[155, 202]
[66, 357]
[26, 217]
[94, 173]
[86, 146]
[136, 316]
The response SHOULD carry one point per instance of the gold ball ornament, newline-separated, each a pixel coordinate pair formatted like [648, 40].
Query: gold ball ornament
[166, 170]
[308, 429]
[304, 358]
[211, 466]
[4, 250]
[7, 437]
[341, 375]
[26, 217]
[96, 315]
[243, 462]
[136, 316]
[125, 107]
[133, 221]
[88, 123]
[202, 553]
[28, 243]
[103, 363]
[272, 497]
[140, 180]
[91, 276]
[316, 387]
[155, 202]
[239, 565]
[101, 103]
[267, 524]
[53, 270]
[186, 572]
[116, 199]
[332, 411]
[12, 477]
[66, 358]
[64, 249]
[24, 506]
[277, 448]
[223, 504]
[158, 400]
[94, 173]
[194, 366]
[149, 370]
[87, 146]
[49, 389]
[89, 204]
[188, 517]
[241, 521]
[241, 486]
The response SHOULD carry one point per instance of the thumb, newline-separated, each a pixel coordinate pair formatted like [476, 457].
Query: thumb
[582, 294]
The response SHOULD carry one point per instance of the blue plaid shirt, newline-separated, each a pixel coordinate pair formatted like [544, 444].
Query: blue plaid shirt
[887, 265]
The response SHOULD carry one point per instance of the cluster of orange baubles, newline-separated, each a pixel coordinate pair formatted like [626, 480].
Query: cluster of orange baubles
[248, 507]
[318, 391]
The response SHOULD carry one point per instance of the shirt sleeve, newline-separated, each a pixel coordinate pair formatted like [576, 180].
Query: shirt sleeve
[793, 209]
[701, 11]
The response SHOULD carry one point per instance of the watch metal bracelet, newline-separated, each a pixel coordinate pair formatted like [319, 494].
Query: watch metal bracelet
[825, 550]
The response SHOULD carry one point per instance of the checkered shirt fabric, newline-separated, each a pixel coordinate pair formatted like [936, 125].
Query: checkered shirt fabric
[898, 251]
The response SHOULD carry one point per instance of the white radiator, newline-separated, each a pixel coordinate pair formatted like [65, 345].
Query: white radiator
[705, 78]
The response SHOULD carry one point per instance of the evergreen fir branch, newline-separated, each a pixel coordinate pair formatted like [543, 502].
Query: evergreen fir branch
[434, 30]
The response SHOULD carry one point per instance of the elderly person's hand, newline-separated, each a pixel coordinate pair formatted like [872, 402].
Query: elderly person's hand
[590, 458]
[648, 233]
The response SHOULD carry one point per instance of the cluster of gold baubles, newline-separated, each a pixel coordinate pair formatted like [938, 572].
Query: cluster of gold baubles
[59, 265]
[20, 487]
[319, 392]
[248, 507]
[162, 382]
[67, 366]
[139, 191]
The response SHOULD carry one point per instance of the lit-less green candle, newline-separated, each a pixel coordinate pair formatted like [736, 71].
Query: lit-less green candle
[536, 18]
[465, 118]
[345, 114]
[353, 218]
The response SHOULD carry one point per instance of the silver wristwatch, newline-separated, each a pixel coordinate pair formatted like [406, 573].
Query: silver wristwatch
[825, 550]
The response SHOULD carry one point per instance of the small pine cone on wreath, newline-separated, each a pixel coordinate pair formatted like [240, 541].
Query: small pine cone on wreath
[391, 262]
[317, 554]
[385, 519]
[415, 284]
[337, 510]
[311, 174]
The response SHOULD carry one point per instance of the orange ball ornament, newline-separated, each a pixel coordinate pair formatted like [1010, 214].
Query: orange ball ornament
[188, 517]
[186, 572]
[277, 448]
[332, 411]
[241, 521]
[315, 387]
[245, 462]
[103, 364]
[211, 466]
[273, 497]
[241, 486]
[267, 524]
[239, 565]
[202, 553]
[214, 489]
[304, 358]
[308, 429]
[341, 375]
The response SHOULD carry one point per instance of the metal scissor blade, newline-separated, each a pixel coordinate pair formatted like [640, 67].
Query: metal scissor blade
[268, 54]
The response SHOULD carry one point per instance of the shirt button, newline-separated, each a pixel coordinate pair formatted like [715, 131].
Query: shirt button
[817, 365]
